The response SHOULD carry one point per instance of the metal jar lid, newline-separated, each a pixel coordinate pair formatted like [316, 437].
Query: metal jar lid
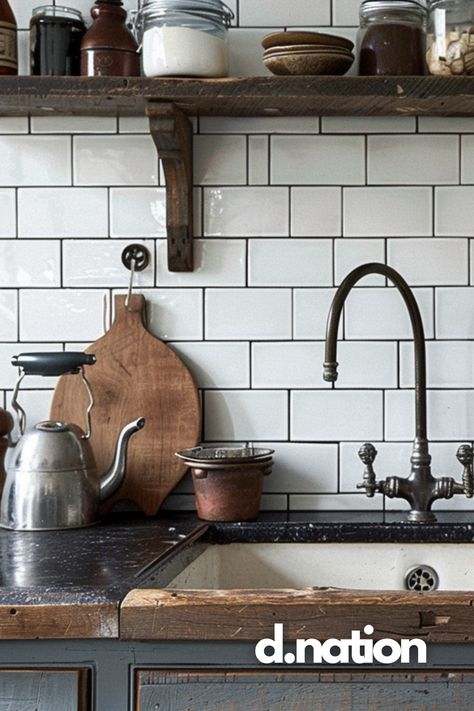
[368, 6]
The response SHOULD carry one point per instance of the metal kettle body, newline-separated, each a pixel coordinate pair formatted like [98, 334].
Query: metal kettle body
[52, 481]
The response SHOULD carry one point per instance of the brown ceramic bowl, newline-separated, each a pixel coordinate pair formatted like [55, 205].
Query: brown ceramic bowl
[308, 63]
[309, 48]
[278, 39]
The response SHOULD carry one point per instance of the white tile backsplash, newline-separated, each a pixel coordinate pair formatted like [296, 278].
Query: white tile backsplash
[284, 208]
[63, 212]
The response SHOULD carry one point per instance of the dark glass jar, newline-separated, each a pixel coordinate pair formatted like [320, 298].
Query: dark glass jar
[8, 40]
[109, 48]
[392, 37]
[55, 41]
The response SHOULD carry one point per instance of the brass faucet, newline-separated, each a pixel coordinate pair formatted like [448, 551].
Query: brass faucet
[420, 488]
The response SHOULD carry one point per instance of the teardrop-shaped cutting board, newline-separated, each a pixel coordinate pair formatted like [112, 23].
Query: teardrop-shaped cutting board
[135, 375]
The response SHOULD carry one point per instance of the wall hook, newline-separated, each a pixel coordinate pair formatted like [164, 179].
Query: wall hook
[136, 258]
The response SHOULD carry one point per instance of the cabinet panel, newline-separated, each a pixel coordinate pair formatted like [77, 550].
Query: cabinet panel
[44, 690]
[303, 691]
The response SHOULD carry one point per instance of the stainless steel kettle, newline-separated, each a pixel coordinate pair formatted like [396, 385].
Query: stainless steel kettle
[51, 475]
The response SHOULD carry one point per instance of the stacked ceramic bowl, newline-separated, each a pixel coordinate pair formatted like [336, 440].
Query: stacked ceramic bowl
[306, 53]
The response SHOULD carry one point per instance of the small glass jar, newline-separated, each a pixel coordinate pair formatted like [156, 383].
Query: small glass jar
[392, 37]
[55, 41]
[451, 38]
[184, 38]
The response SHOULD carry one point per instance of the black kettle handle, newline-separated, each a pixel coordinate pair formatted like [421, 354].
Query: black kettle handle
[52, 364]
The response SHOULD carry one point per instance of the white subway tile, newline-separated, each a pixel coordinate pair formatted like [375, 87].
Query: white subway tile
[134, 124]
[318, 160]
[336, 415]
[179, 502]
[442, 124]
[245, 52]
[246, 415]
[454, 211]
[115, 160]
[303, 12]
[335, 502]
[381, 314]
[258, 160]
[430, 262]
[9, 375]
[36, 404]
[73, 124]
[302, 468]
[287, 365]
[293, 262]
[217, 365]
[175, 314]
[316, 212]
[220, 160]
[352, 253]
[387, 212]
[392, 460]
[247, 314]
[24, 62]
[450, 364]
[62, 212]
[368, 124]
[246, 212]
[99, 263]
[23, 10]
[8, 315]
[61, 314]
[216, 263]
[13, 124]
[8, 213]
[29, 263]
[367, 364]
[455, 312]
[259, 124]
[345, 12]
[273, 502]
[417, 159]
[137, 212]
[311, 308]
[467, 159]
[450, 415]
[35, 160]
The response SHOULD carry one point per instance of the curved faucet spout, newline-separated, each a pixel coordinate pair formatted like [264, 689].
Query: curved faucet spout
[330, 364]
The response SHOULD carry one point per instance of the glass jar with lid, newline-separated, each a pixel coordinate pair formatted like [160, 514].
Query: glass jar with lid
[451, 37]
[392, 37]
[55, 40]
[184, 37]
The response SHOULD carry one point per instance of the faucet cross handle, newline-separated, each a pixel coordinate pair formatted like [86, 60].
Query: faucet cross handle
[367, 454]
[465, 456]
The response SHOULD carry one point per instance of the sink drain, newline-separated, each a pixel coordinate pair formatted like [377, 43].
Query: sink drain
[422, 578]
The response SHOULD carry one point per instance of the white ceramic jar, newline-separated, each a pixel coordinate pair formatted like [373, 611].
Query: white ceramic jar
[184, 37]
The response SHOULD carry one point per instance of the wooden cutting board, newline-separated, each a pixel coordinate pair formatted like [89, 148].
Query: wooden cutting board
[135, 375]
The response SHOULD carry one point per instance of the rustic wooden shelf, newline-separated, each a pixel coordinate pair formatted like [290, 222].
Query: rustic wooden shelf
[169, 102]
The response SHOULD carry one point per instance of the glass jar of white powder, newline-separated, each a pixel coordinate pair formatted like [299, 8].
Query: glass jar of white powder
[184, 37]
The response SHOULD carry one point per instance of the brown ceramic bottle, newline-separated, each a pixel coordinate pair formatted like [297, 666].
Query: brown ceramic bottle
[108, 48]
[8, 40]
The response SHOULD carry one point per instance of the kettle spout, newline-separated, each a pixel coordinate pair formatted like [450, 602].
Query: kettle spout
[113, 478]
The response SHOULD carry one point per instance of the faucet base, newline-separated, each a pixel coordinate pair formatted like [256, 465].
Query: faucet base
[421, 517]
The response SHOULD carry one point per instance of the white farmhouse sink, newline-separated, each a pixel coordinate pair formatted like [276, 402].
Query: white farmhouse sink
[362, 566]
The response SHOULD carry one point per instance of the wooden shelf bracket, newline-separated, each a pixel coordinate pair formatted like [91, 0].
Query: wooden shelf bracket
[172, 133]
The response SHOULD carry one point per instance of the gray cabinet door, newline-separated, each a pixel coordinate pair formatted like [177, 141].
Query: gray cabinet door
[303, 691]
[44, 690]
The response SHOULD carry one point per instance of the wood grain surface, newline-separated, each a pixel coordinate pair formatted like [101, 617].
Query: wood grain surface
[60, 620]
[135, 375]
[44, 690]
[305, 613]
[241, 96]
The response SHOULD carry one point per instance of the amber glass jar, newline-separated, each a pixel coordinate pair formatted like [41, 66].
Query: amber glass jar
[108, 47]
[8, 40]
[392, 37]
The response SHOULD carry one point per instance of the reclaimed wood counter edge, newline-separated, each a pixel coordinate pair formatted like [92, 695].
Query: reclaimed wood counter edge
[249, 615]
[59, 621]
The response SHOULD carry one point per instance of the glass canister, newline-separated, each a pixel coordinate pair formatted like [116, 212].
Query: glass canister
[55, 41]
[392, 37]
[451, 37]
[184, 37]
